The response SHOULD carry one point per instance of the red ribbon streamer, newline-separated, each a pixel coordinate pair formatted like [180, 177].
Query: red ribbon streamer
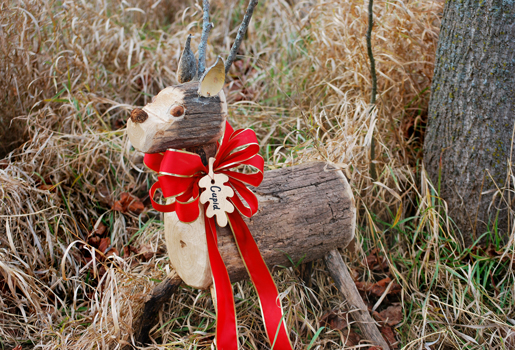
[178, 176]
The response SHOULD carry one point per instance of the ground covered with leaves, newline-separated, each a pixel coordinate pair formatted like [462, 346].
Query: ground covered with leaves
[81, 247]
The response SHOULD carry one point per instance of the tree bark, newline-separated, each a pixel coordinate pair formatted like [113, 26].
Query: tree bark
[304, 212]
[471, 115]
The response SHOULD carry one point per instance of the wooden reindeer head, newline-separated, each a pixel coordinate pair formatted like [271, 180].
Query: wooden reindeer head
[182, 116]
[191, 114]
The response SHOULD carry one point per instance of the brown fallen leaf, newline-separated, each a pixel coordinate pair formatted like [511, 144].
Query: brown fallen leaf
[112, 251]
[370, 261]
[395, 288]
[18, 347]
[95, 237]
[126, 252]
[334, 320]
[351, 338]
[94, 241]
[389, 336]
[363, 286]
[100, 230]
[379, 287]
[375, 261]
[118, 206]
[145, 252]
[391, 316]
[128, 202]
[492, 252]
[104, 244]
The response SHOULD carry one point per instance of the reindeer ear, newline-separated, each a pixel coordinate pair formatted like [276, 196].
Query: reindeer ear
[187, 70]
[213, 79]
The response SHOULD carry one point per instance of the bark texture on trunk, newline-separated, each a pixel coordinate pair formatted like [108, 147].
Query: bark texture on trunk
[471, 114]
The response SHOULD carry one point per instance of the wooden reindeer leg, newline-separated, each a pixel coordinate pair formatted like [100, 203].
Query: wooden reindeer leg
[186, 242]
[162, 293]
[359, 311]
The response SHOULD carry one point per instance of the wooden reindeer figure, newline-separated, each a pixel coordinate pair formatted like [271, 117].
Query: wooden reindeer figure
[305, 212]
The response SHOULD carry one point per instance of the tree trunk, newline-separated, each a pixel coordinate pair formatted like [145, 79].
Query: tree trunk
[471, 115]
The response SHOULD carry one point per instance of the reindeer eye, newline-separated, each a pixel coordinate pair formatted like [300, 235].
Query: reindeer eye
[177, 111]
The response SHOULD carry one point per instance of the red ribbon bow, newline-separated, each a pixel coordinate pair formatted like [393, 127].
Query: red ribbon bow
[179, 174]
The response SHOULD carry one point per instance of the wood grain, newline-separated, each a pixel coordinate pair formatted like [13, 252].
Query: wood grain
[186, 243]
[203, 122]
[304, 212]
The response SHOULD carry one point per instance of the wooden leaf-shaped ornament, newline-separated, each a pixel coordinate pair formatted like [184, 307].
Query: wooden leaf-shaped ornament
[213, 79]
[216, 193]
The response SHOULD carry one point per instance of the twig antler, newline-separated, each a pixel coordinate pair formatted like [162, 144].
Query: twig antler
[206, 28]
[241, 33]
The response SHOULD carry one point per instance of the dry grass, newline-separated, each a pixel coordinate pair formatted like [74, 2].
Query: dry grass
[72, 70]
